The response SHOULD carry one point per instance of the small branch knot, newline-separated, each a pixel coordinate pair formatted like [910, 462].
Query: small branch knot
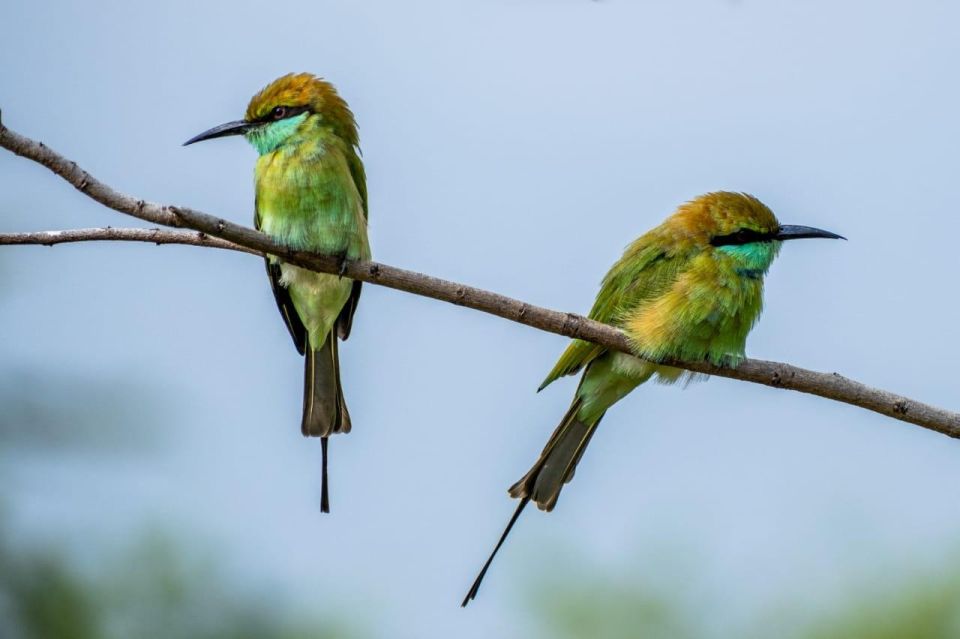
[374, 270]
[901, 407]
[174, 212]
[571, 325]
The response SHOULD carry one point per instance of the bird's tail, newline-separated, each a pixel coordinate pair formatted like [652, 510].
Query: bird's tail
[543, 482]
[558, 461]
[324, 409]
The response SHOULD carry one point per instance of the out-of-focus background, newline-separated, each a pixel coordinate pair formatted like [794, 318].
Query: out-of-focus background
[153, 480]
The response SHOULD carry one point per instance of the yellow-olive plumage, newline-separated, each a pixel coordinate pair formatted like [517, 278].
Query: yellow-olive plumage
[690, 289]
[310, 195]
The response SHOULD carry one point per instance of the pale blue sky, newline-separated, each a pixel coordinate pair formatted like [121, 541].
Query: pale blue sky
[516, 146]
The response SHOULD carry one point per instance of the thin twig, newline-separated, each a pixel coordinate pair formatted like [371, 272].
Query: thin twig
[775, 374]
[151, 236]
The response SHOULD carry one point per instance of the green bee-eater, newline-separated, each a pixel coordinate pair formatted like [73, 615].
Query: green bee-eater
[690, 289]
[311, 195]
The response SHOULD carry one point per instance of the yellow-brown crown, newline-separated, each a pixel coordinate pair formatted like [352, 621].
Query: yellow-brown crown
[305, 90]
[722, 213]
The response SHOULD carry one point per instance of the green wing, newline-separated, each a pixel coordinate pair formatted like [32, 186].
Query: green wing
[359, 176]
[645, 271]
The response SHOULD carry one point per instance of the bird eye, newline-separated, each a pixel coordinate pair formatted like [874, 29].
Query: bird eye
[743, 235]
[278, 113]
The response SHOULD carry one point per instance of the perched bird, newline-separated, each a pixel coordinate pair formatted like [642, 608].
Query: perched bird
[690, 289]
[311, 195]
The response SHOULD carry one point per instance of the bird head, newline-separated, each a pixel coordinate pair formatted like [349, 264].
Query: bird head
[287, 109]
[739, 227]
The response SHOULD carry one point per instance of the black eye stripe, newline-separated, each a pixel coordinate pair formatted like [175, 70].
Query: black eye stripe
[742, 236]
[288, 112]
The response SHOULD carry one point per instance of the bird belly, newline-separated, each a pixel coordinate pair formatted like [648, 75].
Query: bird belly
[640, 370]
[317, 231]
[700, 318]
[317, 297]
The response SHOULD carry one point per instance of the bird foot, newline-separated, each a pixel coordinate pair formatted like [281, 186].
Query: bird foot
[729, 360]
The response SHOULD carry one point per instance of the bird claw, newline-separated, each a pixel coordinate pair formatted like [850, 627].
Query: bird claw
[342, 265]
[729, 360]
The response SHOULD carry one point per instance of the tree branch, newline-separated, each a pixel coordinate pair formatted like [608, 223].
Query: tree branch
[152, 236]
[235, 237]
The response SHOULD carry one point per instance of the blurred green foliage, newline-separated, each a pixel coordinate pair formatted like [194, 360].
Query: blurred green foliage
[156, 591]
[903, 606]
[41, 597]
[911, 608]
[603, 610]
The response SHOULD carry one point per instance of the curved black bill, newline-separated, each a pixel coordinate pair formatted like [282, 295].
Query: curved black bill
[230, 128]
[793, 232]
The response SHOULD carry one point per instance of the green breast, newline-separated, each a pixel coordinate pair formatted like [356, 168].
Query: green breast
[306, 198]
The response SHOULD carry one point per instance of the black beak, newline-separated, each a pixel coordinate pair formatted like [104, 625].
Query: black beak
[793, 232]
[230, 128]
